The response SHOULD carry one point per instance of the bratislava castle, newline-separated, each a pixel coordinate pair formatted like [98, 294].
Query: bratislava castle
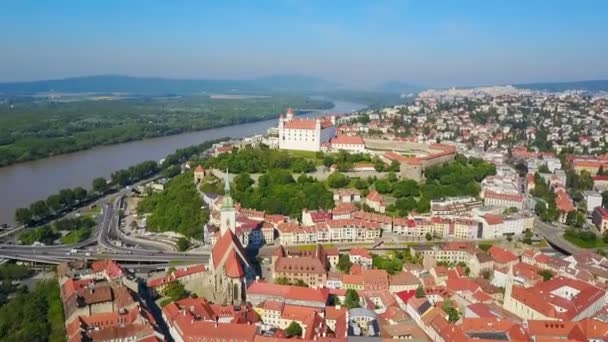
[306, 134]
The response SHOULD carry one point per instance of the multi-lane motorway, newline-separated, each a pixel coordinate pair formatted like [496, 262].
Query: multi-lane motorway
[98, 246]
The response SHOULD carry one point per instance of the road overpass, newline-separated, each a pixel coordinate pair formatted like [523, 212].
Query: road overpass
[107, 223]
[554, 236]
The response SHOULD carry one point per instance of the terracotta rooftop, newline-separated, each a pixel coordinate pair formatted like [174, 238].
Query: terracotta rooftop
[541, 297]
[501, 255]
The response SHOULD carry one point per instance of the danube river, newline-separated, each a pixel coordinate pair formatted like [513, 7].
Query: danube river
[21, 184]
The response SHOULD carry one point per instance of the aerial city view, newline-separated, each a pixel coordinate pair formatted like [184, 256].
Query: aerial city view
[274, 171]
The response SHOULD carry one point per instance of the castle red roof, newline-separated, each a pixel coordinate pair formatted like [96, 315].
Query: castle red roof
[347, 140]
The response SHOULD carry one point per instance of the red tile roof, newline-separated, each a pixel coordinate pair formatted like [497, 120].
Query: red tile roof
[273, 305]
[228, 248]
[347, 140]
[501, 255]
[111, 268]
[289, 292]
[493, 219]
[462, 284]
[234, 269]
[176, 275]
[541, 297]
[405, 296]
[362, 252]
[375, 196]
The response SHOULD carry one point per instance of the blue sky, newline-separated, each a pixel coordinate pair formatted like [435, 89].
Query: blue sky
[436, 43]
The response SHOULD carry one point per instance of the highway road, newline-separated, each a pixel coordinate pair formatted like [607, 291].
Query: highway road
[105, 248]
[554, 235]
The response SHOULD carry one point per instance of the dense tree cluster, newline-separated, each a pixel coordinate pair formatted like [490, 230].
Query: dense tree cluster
[177, 208]
[457, 178]
[255, 160]
[344, 263]
[453, 314]
[183, 244]
[8, 273]
[344, 160]
[278, 193]
[294, 329]
[585, 238]
[38, 128]
[393, 262]
[545, 207]
[78, 228]
[33, 316]
[351, 299]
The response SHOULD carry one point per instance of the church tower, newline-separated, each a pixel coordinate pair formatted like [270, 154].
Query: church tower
[508, 299]
[227, 212]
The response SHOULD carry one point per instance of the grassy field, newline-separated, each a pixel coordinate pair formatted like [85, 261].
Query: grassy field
[307, 155]
[585, 243]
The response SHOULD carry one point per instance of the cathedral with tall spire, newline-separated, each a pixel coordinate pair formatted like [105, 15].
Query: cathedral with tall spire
[229, 269]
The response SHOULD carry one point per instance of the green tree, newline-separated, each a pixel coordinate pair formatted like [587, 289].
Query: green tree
[344, 263]
[406, 188]
[176, 291]
[395, 166]
[54, 203]
[383, 186]
[178, 208]
[183, 244]
[39, 210]
[420, 293]
[428, 236]
[544, 169]
[67, 197]
[242, 182]
[328, 161]
[294, 329]
[282, 281]
[571, 218]
[337, 180]
[33, 316]
[360, 184]
[23, 216]
[546, 274]
[390, 265]
[540, 208]
[580, 219]
[379, 165]
[121, 177]
[100, 185]
[300, 283]
[453, 314]
[80, 194]
[391, 177]
[352, 299]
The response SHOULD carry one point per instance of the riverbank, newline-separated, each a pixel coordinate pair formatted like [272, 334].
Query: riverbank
[24, 183]
[36, 130]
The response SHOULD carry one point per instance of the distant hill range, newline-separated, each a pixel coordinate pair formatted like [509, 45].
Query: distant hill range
[154, 85]
[399, 87]
[592, 86]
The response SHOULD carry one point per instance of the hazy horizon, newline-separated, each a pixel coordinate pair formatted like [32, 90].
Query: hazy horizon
[355, 43]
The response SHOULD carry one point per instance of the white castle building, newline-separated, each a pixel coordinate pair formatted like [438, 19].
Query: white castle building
[306, 134]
